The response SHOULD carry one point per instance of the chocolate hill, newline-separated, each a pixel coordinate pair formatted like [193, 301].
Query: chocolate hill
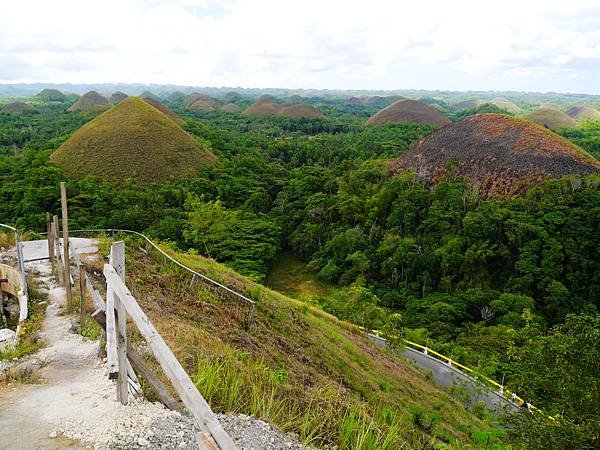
[193, 98]
[499, 102]
[117, 97]
[583, 113]
[500, 154]
[51, 95]
[409, 111]
[132, 140]
[231, 108]
[265, 106]
[163, 109]
[88, 100]
[202, 106]
[551, 117]
[16, 107]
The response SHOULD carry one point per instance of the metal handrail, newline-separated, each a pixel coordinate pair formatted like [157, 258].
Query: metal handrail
[181, 265]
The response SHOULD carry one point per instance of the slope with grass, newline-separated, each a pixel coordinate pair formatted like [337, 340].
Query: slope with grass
[551, 117]
[499, 102]
[164, 109]
[50, 95]
[266, 107]
[196, 96]
[583, 113]
[89, 100]
[500, 154]
[298, 367]
[133, 140]
[16, 107]
[117, 97]
[409, 111]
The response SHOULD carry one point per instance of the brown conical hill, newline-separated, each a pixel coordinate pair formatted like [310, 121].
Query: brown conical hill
[202, 106]
[583, 113]
[132, 140]
[231, 108]
[16, 107]
[551, 117]
[500, 154]
[148, 94]
[88, 100]
[163, 109]
[409, 111]
[263, 108]
[301, 111]
[193, 98]
[117, 97]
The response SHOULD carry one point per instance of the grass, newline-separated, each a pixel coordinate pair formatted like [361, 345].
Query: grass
[409, 111]
[290, 276]
[132, 140]
[298, 367]
[551, 118]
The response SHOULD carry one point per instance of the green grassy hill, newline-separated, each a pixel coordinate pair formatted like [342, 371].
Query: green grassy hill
[297, 367]
[552, 118]
[132, 140]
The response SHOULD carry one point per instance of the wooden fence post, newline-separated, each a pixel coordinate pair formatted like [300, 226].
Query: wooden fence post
[65, 224]
[117, 260]
[82, 297]
[57, 256]
[50, 239]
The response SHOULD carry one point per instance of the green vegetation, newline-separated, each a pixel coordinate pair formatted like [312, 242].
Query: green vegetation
[135, 141]
[314, 206]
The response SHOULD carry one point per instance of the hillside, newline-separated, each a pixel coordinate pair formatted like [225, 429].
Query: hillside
[51, 95]
[583, 113]
[266, 106]
[409, 111]
[499, 102]
[193, 98]
[499, 153]
[117, 97]
[132, 140]
[87, 100]
[551, 117]
[201, 105]
[298, 367]
[231, 108]
[165, 110]
[16, 107]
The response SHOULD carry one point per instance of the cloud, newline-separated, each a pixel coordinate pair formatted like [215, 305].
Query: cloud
[328, 44]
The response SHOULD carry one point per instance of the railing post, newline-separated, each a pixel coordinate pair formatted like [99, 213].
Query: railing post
[57, 255]
[82, 297]
[21, 263]
[65, 224]
[117, 260]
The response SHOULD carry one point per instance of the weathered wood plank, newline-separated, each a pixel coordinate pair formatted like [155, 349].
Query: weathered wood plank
[187, 391]
[111, 334]
[117, 260]
[65, 224]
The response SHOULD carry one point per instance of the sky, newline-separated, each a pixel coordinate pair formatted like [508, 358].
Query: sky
[524, 45]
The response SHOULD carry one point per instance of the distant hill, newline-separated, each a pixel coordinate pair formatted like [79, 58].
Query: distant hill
[266, 106]
[193, 98]
[117, 97]
[16, 107]
[51, 95]
[583, 113]
[409, 111]
[499, 153]
[551, 117]
[165, 110]
[202, 106]
[148, 94]
[132, 140]
[500, 103]
[88, 100]
[231, 108]
[232, 97]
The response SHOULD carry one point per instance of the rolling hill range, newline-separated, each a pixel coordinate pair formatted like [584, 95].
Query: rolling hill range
[500, 154]
[409, 111]
[583, 113]
[551, 117]
[89, 100]
[500, 103]
[133, 140]
[266, 106]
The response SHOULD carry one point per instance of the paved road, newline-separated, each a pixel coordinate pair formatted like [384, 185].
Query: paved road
[447, 376]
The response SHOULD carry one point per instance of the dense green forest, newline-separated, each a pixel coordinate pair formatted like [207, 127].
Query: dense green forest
[511, 286]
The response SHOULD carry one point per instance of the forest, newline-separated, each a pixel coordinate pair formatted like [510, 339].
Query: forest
[508, 285]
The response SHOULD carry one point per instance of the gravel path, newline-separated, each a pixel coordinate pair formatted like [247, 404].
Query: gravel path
[75, 405]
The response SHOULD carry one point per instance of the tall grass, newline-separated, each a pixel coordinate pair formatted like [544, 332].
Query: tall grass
[240, 384]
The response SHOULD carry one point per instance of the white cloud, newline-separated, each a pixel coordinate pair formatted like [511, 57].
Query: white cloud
[323, 43]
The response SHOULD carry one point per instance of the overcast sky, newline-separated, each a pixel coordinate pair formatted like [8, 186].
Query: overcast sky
[545, 45]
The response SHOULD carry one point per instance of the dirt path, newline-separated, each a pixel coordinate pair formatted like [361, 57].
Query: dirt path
[75, 405]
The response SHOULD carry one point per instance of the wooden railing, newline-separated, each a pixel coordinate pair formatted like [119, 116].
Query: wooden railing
[112, 315]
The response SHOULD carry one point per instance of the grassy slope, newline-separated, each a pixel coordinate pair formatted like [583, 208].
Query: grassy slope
[297, 367]
[132, 140]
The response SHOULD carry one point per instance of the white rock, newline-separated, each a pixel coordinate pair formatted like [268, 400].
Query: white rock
[8, 339]
[52, 434]
[143, 442]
